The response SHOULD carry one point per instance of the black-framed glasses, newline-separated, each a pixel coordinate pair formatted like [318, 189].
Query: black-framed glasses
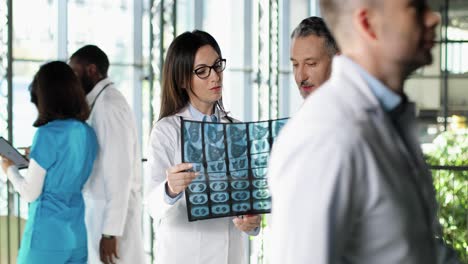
[204, 72]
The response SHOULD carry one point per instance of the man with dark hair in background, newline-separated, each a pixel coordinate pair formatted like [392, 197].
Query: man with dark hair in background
[347, 176]
[312, 51]
[113, 191]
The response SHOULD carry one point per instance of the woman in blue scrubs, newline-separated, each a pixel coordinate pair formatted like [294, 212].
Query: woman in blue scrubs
[62, 156]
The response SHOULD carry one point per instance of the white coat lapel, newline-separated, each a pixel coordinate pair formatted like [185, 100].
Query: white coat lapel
[185, 114]
[91, 96]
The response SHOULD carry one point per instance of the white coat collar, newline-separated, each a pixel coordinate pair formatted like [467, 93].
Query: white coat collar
[343, 69]
[346, 69]
[386, 97]
[185, 113]
[91, 96]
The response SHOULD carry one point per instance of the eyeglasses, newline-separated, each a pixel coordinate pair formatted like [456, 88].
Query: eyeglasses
[204, 72]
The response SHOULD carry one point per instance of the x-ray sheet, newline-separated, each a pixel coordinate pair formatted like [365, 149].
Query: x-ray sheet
[232, 160]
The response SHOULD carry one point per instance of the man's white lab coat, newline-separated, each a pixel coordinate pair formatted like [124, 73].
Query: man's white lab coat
[113, 191]
[345, 186]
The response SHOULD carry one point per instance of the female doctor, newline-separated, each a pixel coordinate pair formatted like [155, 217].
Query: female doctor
[192, 86]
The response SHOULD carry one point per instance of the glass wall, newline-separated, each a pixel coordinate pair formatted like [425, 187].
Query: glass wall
[46, 30]
[441, 89]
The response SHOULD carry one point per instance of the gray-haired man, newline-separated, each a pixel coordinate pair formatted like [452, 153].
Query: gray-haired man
[312, 50]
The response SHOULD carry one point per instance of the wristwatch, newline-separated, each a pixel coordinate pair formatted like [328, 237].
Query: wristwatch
[108, 236]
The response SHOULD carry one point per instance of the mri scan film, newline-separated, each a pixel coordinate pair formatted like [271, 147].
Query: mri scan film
[232, 159]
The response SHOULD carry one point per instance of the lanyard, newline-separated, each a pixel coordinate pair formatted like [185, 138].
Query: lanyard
[97, 96]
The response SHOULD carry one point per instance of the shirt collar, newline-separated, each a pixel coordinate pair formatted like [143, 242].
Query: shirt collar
[91, 96]
[388, 99]
[199, 116]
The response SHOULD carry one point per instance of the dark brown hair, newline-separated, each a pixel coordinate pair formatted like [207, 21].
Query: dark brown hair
[178, 70]
[57, 94]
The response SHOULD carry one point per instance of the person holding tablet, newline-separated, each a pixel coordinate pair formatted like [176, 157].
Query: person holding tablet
[9, 152]
[62, 156]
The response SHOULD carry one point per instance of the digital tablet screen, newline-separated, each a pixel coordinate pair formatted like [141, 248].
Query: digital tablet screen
[8, 151]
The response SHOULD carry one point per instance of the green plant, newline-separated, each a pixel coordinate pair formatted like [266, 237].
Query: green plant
[451, 149]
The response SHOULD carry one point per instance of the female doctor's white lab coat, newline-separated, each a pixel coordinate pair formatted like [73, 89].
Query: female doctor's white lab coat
[213, 241]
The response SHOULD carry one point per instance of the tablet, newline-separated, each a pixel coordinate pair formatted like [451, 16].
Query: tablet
[8, 151]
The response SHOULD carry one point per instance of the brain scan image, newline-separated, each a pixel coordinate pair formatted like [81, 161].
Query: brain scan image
[200, 178]
[193, 132]
[261, 194]
[237, 133]
[220, 209]
[217, 176]
[219, 197]
[239, 164]
[259, 173]
[241, 207]
[194, 153]
[237, 149]
[240, 195]
[198, 198]
[218, 186]
[200, 211]
[259, 146]
[262, 205]
[197, 187]
[232, 161]
[277, 126]
[197, 167]
[239, 185]
[259, 130]
[259, 184]
[214, 153]
[260, 160]
[216, 166]
[237, 175]
[214, 133]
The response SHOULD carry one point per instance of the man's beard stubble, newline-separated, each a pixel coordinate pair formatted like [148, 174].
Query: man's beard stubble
[87, 84]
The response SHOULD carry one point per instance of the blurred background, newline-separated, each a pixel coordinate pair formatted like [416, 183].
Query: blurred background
[254, 36]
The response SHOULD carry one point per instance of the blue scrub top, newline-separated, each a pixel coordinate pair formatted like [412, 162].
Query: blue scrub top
[66, 149]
